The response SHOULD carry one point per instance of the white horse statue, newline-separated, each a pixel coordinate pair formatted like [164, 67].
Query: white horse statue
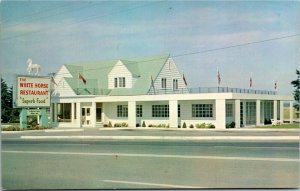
[31, 66]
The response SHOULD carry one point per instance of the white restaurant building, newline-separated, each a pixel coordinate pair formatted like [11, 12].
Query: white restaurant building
[151, 90]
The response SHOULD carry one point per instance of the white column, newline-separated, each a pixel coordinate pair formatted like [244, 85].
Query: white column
[78, 115]
[275, 111]
[220, 114]
[237, 113]
[244, 113]
[291, 112]
[173, 113]
[93, 114]
[132, 114]
[55, 112]
[72, 112]
[281, 111]
[258, 112]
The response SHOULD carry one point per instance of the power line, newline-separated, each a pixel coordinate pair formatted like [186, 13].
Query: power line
[198, 52]
[237, 45]
[84, 20]
[49, 16]
[36, 13]
[205, 51]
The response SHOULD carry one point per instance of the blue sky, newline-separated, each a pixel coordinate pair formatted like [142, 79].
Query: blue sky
[54, 33]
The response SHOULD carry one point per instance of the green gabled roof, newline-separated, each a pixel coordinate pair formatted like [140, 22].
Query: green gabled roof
[74, 70]
[133, 67]
[90, 88]
[96, 74]
[149, 66]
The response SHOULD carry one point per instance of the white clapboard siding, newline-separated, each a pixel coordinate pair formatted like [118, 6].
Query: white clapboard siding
[120, 70]
[170, 72]
[62, 73]
[63, 89]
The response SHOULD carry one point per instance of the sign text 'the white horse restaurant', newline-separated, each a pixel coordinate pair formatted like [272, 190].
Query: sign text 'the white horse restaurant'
[33, 91]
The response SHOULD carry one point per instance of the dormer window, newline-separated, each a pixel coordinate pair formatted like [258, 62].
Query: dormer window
[119, 82]
[122, 83]
[116, 83]
[164, 83]
[175, 84]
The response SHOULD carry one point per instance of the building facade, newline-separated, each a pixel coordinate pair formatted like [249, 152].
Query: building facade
[151, 91]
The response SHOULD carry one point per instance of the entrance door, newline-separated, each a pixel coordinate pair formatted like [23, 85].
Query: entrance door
[86, 116]
[98, 114]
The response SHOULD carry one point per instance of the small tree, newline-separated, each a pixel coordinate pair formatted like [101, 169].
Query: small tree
[184, 125]
[296, 84]
[144, 124]
[8, 113]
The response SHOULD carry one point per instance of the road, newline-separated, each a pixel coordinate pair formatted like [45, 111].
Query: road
[108, 164]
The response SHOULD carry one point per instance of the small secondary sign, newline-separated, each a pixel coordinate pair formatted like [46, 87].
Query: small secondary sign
[33, 112]
[33, 91]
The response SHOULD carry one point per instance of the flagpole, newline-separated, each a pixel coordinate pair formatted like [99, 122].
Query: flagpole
[251, 83]
[77, 83]
[218, 79]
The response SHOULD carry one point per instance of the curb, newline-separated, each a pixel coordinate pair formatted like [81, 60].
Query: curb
[62, 130]
[15, 132]
[186, 138]
[195, 129]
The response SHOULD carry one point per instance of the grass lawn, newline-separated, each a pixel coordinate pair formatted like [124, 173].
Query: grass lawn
[283, 126]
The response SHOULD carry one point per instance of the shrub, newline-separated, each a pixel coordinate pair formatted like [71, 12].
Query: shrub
[118, 125]
[144, 124]
[267, 121]
[184, 125]
[12, 128]
[150, 125]
[109, 124]
[191, 126]
[201, 125]
[37, 127]
[230, 125]
[105, 125]
[124, 124]
[137, 125]
[210, 125]
[179, 126]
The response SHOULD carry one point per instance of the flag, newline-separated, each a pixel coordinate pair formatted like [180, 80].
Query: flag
[152, 82]
[219, 77]
[275, 85]
[80, 77]
[184, 80]
[53, 81]
[250, 81]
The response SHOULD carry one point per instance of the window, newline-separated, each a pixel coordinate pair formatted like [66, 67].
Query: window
[178, 111]
[119, 82]
[229, 110]
[175, 84]
[250, 113]
[202, 110]
[160, 110]
[139, 111]
[64, 112]
[164, 83]
[116, 82]
[122, 111]
[122, 82]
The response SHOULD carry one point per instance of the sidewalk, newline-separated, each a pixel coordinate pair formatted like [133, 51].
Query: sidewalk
[155, 134]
